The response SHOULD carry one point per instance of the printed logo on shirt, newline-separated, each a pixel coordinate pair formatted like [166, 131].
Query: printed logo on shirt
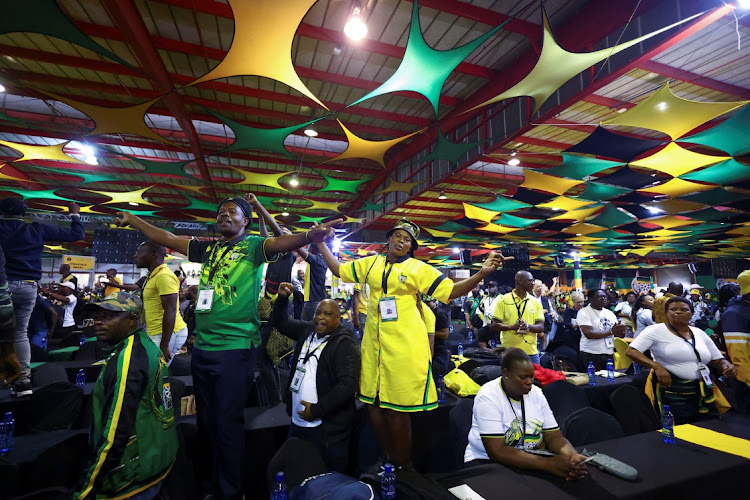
[532, 439]
[402, 278]
[166, 396]
[605, 324]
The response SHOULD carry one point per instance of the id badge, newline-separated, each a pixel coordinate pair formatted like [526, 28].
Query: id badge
[205, 300]
[609, 342]
[706, 374]
[388, 310]
[299, 375]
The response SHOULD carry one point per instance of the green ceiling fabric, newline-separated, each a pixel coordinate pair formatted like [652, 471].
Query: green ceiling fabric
[449, 151]
[17, 121]
[451, 226]
[502, 204]
[176, 168]
[259, 139]
[340, 185]
[611, 217]
[600, 192]
[725, 173]
[513, 221]
[306, 218]
[39, 194]
[377, 207]
[609, 234]
[196, 204]
[718, 196]
[709, 214]
[705, 227]
[424, 69]
[729, 135]
[46, 18]
[580, 167]
[87, 177]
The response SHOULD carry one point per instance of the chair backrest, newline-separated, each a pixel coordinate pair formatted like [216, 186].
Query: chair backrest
[90, 351]
[51, 408]
[9, 477]
[564, 399]
[47, 374]
[569, 354]
[622, 361]
[589, 425]
[60, 465]
[633, 410]
[460, 421]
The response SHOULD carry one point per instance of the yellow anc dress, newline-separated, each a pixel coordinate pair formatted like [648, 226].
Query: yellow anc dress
[396, 361]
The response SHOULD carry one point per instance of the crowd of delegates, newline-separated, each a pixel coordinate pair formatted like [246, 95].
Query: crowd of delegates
[386, 346]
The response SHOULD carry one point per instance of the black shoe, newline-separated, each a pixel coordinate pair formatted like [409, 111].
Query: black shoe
[21, 389]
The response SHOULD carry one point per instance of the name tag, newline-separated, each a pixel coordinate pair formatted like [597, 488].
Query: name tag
[609, 342]
[705, 373]
[299, 375]
[205, 300]
[388, 310]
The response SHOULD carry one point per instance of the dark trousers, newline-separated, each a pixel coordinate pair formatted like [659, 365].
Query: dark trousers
[599, 360]
[308, 310]
[336, 455]
[221, 381]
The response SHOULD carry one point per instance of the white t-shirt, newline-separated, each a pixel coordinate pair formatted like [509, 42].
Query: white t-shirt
[624, 307]
[488, 308]
[497, 416]
[68, 318]
[644, 317]
[308, 390]
[675, 353]
[601, 320]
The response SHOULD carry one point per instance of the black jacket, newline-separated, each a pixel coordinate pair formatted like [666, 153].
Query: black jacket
[337, 378]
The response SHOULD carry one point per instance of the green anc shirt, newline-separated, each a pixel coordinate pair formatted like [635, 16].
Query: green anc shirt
[233, 321]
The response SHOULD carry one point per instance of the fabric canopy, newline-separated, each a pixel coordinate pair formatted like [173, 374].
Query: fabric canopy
[603, 142]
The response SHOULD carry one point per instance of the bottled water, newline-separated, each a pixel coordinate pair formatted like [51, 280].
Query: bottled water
[470, 337]
[441, 389]
[279, 490]
[83, 339]
[80, 378]
[610, 370]
[636, 368]
[388, 483]
[493, 344]
[44, 343]
[460, 349]
[7, 426]
[592, 373]
[667, 425]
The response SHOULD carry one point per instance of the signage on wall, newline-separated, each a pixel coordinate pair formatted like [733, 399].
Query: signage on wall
[78, 263]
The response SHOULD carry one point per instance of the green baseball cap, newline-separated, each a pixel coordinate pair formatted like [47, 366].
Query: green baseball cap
[120, 301]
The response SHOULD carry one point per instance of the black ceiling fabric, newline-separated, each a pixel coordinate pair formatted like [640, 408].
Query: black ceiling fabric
[532, 197]
[603, 142]
[629, 178]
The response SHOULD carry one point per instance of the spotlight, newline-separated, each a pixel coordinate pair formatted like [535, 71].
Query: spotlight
[654, 210]
[337, 51]
[132, 204]
[355, 28]
[556, 209]
[662, 106]
[87, 150]
[514, 161]
[744, 4]
[311, 132]
[456, 250]
[2, 89]
[91, 160]
[285, 213]
[442, 196]
[294, 182]
[336, 245]
[514, 153]
[622, 110]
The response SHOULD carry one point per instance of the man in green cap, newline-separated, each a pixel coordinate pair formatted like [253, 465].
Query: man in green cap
[133, 436]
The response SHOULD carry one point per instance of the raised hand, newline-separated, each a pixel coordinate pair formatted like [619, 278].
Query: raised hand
[123, 219]
[251, 199]
[285, 289]
[73, 208]
[321, 232]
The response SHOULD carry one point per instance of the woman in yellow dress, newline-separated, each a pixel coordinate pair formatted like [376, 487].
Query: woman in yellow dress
[396, 373]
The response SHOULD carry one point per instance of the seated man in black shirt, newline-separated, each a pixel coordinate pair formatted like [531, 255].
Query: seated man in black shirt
[325, 364]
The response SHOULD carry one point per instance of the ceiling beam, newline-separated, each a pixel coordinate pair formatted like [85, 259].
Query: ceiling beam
[695, 79]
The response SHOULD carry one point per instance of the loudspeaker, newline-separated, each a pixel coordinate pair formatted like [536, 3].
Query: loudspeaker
[559, 261]
[521, 261]
[724, 268]
[465, 256]
[116, 246]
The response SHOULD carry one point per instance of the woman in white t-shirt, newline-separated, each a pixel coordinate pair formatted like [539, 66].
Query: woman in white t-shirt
[641, 316]
[599, 327]
[512, 418]
[682, 356]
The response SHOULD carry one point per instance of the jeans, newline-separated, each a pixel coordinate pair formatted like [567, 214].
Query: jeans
[336, 454]
[599, 360]
[308, 310]
[176, 341]
[534, 358]
[24, 299]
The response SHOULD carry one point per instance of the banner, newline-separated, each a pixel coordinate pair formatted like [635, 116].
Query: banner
[78, 263]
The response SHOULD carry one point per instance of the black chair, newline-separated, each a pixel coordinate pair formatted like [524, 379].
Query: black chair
[177, 387]
[298, 459]
[483, 374]
[180, 366]
[51, 408]
[46, 494]
[59, 466]
[564, 399]
[90, 351]
[47, 374]
[460, 422]
[564, 355]
[8, 478]
[634, 411]
[589, 425]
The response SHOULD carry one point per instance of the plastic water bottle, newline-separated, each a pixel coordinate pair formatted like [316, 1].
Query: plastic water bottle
[470, 338]
[667, 425]
[592, 373]
[636, 368]
[44, 343]
[610, 370]
[6, 433]
[493, 344]
[388, 483]
[83, 339]
[441, 389]
[279, 490]
[80, 378]
[460, 349]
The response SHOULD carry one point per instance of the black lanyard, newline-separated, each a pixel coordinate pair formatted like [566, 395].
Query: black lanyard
[150, 275]
[691, 341]
[310, 351]
[525, 303]
[214, 264]
[523, 414]
[384, 283]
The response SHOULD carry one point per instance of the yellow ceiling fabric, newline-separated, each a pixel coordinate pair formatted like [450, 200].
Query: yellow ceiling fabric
[664, 234]
[548, 183]
[478, 213]
[675, 116]
[494, 228]
[128, 120]
[324, 205]
[404, 187]
[34, 152]
[564, 203]
[670, 221]
[262, 44]
[372, 150]
[578, 215]
[678, 187]
[676, 160]
[256, 179]
[583, 229]
[353, 219]
[124, 196]
[436, 233]
[675, 206]
[7, 177]
[556, 66]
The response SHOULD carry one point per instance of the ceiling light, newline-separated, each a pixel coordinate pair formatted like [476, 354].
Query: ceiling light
[132, 204]
[745, 4]
[456, 249]
[514, 153]
[311, 132]
[622, 110]
[337, 51]
[556, 209]
[285, 213]
[442, 196]
[336, 245]
[662, 106]
[514, 162]
[578, 234]
[91, 160]
[574, 254]
[654, 210]
[355, 28]
[294, 182]
[2, 89]
[87, 150]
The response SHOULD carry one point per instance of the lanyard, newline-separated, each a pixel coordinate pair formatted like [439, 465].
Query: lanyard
[525, 303]
[384, 283]
[214, 264]
[310, 353]
[150, 275]
[523, 414]
[691, 341]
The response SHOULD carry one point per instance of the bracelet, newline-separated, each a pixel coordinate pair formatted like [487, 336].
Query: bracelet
[307, 236]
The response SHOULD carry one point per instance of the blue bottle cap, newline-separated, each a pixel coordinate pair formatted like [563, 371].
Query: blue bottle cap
[279, 477]
[388, 468]
[8, 415]
[666, 408]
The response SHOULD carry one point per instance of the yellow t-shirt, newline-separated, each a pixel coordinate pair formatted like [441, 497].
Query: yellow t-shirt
[112, 289]
[364, 297]
[161, 281]
[506, 311]
[429, 319]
